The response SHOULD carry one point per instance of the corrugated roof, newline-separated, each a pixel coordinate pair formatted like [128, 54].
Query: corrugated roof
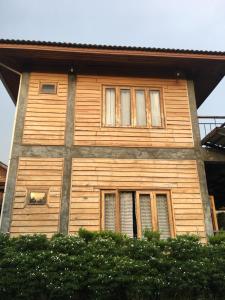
[109, 47]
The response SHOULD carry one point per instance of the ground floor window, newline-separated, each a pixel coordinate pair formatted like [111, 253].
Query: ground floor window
[132, 212]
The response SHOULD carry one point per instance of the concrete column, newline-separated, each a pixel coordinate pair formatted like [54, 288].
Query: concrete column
[69, 133]
[199, 159]
[15, 153]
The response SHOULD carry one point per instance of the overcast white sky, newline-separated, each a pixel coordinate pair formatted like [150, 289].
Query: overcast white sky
[190, 24]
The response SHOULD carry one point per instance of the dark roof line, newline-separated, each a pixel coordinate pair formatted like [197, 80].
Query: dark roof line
[4, 166]
[109, 47]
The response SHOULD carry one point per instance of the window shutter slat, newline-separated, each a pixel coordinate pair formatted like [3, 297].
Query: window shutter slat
[126, 213]
[163, 216]
[145, 212]
[110, 106]
[110, 212]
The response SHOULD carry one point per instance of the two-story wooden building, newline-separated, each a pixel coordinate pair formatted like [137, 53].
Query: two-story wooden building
[107, 137]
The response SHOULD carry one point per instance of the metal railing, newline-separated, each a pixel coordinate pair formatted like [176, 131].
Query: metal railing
[208, 123]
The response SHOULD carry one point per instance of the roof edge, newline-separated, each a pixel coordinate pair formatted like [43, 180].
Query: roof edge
[4, 166]
[109, 47]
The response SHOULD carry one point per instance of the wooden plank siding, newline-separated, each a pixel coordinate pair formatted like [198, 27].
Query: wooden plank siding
[32, 174]
[3, 172]
[90, 175]
[46, 113]
[89, 131]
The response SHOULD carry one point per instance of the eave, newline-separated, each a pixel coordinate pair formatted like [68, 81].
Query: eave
[2, 165]
[205, 68]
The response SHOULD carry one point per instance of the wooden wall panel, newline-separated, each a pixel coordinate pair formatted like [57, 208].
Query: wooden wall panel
[34, 173]
[88, 129]
[2, 174]
[89, 176]
[46, 113]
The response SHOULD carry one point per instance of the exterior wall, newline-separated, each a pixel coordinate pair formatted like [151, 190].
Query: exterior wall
[36, 173]
[89, 176]
[58, 140]
[45, 113]
[2, 174]
[2, 183]
[88, 130]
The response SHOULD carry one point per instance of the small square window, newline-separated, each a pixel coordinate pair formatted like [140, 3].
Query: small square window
[37, 197]
[48, 88]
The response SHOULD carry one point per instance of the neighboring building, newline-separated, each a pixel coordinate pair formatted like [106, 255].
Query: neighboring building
[3, 171]
[108, 138]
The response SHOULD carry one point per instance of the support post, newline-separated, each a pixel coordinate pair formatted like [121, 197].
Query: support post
[14, 155]
[199, 159]
[69, 133]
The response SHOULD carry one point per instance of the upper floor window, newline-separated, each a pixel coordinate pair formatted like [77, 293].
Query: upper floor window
[48, 88]
[132, 107]
[132, 212]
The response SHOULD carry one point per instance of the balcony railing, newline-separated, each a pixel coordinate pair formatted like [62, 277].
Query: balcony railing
[208, 123]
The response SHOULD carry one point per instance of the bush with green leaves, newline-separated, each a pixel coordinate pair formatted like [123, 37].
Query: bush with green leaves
[108, 266]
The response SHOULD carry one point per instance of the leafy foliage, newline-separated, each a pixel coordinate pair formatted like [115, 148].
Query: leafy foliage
[107, 266]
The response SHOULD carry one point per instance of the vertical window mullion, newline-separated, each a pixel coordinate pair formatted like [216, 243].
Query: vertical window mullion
[117, 211]
[154, 212]
[133, 109]
[148, 108]
[102, 211]
[138, 215]
[117, 111]
[170, 214]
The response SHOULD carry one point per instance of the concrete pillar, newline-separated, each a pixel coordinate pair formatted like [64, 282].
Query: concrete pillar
[199, 159]
[15, 153]
[69, 133]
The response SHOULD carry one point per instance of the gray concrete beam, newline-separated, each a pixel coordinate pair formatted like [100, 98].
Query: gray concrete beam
[107, 152]
[133, 153]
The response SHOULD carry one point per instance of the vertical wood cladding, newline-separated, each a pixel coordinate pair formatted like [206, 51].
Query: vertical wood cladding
[88, 123]
[32, 174]
[89, 176]
[46, 113]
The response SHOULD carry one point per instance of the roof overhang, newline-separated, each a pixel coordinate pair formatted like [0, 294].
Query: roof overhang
[205, 68]
[2, 165]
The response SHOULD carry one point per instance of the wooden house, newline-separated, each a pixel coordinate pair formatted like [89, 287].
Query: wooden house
[107, 137]
[3, 171]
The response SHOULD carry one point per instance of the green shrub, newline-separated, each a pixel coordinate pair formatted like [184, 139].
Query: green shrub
[218, 238]
[108, 266]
